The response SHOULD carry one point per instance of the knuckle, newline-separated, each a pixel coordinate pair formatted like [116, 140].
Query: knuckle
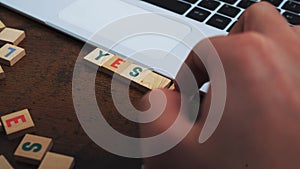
[256, 8]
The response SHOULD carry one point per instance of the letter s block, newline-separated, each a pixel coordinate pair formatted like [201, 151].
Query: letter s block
[17, 123]
[32, 149]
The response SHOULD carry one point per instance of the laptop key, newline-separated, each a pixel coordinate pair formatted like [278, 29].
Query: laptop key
[274, 2]
[292, 6]
[171, 5]
[198, 14]
[209, 4]
[245, 3]
[229, 10]
[218, 21]
[231, 26]
[229, 1]
[191, 1]
[292, 18]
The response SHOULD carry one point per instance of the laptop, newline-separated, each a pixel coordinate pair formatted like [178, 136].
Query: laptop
[181, 19]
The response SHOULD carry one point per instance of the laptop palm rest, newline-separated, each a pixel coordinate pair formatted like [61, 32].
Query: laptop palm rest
[131, 31]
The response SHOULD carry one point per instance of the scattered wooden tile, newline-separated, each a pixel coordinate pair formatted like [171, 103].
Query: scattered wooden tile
[57, 161]
[17, 124]
[13, 36]
[2, 74]
[11, 54]
[4, 164]
[32, 149]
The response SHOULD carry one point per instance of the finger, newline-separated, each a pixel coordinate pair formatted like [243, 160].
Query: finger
[196, 67]
[296, 29]
[261, 17]
[171, 99]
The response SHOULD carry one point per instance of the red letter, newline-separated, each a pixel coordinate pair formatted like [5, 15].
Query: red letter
[117, 62]
[15, 120]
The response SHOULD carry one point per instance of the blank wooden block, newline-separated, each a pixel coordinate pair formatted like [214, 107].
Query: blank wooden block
[57, 161]
[154, 81]
[4, 164]
[13, 36]
[98, 56]
[2, 25]
[2, 74]
[17, 124]
[172, 87]
[116, 64]
[10, 54]
[32, 149]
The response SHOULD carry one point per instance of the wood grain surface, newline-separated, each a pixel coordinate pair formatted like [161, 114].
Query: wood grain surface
[42, 82]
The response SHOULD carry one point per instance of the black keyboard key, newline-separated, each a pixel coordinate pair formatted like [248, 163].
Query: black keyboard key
[292, 18]
[274, 2]
[209, 4]
[229, 10]
[292, 6]
[229, 1]
[218, 21]
[172, 5]
[198, 14]
[245, 3]
[231, 26]
[191, 1]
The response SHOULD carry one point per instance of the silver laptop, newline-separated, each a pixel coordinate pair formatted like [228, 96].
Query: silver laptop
[84, 19]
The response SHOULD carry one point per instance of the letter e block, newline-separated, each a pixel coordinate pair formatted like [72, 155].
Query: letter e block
[54, 160]
[116, 65]
[32, 149]
[17, 124]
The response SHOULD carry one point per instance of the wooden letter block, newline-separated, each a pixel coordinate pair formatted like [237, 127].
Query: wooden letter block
[134, 72]
[98, 56]
[154, 81]
[4, 164]
[1, 127]
[2, 25]
[17, 124]
[10, 54]
[32, 149]
[172, 87]
[13, 36]
[57, 161]
[116, 64]
[2, 74]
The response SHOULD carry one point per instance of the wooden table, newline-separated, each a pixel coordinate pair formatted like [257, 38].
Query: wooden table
[42, 82]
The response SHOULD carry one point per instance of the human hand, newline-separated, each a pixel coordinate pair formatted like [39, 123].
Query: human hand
[260, 126]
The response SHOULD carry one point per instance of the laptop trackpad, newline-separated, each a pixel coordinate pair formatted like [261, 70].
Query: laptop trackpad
[126, 28]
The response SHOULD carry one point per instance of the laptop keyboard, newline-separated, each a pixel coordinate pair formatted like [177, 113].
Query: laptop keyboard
[223, 14]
